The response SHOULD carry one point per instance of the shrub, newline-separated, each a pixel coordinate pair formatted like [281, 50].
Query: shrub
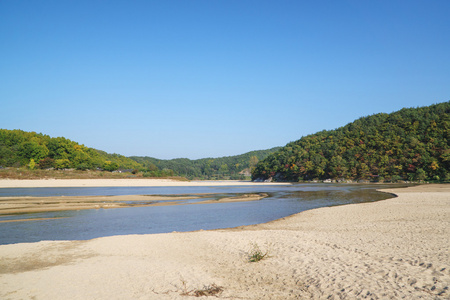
[46, 163]
[256, 254]
[82, 167]
[32, 164]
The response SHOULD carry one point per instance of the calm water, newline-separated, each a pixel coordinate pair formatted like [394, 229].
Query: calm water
[87, 224]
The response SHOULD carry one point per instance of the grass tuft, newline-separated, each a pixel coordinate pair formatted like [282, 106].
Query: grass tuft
[256, 254]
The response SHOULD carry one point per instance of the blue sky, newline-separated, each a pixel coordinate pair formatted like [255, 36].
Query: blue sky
[199, 79]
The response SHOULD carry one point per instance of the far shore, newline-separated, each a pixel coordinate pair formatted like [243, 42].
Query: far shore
[132, 182]
[397, 248]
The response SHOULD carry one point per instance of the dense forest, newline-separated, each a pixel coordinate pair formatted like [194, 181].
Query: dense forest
[230, 167]
[411, 145]
[35, 150]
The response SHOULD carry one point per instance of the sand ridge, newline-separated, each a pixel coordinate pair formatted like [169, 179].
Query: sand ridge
[391, 249]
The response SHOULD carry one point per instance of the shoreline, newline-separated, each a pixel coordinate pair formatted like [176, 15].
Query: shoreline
[132, 182]
[394, 248]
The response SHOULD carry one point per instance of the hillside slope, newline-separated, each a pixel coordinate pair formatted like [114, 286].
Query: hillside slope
[410, 144]
[229, 167]
[35, 150]
[20, 148]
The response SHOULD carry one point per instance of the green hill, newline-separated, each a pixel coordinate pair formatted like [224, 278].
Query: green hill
[20, 148]
[230, 167]
[410, 144]
[38, 151]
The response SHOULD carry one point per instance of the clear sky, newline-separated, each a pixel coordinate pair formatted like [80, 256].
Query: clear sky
[213, 78]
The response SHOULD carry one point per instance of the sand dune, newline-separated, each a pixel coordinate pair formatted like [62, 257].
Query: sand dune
[392, 249]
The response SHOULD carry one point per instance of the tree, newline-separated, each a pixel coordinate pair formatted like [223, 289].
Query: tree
[223, 169]
[62, 163]
[253, 162]
[32, 164]
[338, 168]
[110, 166]
[32, 149]
[46, 163]
[421, 175]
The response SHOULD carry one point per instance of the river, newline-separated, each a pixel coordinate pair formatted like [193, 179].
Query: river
[88, 224]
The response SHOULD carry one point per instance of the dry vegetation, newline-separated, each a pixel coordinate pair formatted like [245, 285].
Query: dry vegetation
[207, 290]
[24, 173]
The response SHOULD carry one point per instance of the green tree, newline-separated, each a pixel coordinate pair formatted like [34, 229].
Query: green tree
[110, 166]
[223, 169]
[32, 164]
[253, 162]
[62, 163]
[421, 175]
[32, 149]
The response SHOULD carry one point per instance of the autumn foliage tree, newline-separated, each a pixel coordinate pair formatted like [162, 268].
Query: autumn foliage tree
[410, 144]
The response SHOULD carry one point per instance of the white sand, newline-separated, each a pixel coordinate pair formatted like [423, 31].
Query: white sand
[25, 183]
[392, 249]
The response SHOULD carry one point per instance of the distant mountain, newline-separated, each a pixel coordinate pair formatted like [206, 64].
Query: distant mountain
[411, 144]
[230, 167]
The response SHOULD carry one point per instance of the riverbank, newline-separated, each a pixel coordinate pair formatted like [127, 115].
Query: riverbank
[396, 248]
[132, 182]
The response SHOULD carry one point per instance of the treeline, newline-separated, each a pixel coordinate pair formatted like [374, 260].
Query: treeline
[230, 167]
[411, 145]
[35, 150]
[38, 151]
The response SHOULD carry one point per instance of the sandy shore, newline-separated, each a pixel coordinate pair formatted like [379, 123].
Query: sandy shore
[24, 205]
[392, 249]
[15, 183]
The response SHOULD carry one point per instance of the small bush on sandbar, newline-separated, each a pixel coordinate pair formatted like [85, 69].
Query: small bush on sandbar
[256, 254]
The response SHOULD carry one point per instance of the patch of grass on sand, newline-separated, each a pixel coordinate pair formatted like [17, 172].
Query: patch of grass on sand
[256, 254]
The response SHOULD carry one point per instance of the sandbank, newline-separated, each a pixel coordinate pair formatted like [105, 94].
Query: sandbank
[25, 205]
[391, 249]
[141, 182]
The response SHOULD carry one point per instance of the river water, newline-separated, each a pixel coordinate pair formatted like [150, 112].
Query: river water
[88, 224]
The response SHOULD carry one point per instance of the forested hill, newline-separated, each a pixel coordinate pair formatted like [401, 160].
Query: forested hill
[230, 167]
[33, 150]
[20, 148]
[411, 144]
